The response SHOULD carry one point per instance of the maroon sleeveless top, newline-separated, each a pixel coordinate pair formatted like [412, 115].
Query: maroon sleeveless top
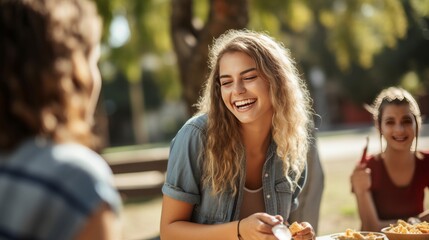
[393, 202]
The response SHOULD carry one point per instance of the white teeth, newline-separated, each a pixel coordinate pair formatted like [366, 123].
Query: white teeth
[244, 102]
[399, 138]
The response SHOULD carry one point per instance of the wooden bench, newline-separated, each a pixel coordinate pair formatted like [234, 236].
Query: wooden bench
[139, 173]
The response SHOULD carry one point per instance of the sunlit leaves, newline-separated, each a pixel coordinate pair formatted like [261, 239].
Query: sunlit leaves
[264, 21]
[298, 16]
[412, 83]
[356, 30]
[359, 30]
[327, 18]
[133, 71]
[201, 10]
[149, 32]
[395, 19]
[421, 7]
[271, 15]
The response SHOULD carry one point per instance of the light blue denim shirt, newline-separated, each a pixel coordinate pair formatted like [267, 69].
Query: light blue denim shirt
[183, 181]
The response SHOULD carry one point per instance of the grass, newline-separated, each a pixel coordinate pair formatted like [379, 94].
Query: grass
[338, 208]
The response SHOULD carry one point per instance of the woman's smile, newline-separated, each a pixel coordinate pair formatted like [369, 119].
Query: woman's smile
[243, 105]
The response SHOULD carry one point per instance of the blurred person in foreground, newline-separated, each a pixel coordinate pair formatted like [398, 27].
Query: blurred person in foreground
[52, 185]
[237, 167]
[390, 185]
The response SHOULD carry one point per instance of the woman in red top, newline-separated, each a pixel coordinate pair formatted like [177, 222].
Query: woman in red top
[390, 185]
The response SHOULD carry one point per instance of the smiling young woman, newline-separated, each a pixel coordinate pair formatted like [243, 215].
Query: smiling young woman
[236, 168]
[390, 185]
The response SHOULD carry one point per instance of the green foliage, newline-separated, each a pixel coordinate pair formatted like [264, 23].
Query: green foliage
[273, 15]
[265, 21]
[421, 7]
[104, 9]
[201, 10]
[149, 28]
[361, 45]
[358, 30]
[170, 89]
[298, 16]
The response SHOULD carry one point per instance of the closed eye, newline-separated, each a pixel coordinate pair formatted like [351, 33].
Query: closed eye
[226, 82]
[250, 78]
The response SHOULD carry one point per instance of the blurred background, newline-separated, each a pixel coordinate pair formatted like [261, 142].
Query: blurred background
[154, 57]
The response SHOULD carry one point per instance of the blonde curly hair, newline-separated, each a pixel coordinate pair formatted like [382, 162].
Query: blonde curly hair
[289, 97]
[45, 81]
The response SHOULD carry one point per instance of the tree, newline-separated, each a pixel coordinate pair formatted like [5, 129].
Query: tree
[350, 33]
[147, 35]
[354, 42]
[191, 41]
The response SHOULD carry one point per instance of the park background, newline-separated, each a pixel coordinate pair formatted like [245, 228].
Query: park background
[154, 62]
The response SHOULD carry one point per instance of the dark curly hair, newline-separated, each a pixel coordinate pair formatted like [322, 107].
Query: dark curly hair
[45, 81]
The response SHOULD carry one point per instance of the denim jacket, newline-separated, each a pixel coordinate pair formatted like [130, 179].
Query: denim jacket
[183, 181]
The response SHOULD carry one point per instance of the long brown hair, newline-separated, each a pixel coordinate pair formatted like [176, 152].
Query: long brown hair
[290, 99]
[45, 82]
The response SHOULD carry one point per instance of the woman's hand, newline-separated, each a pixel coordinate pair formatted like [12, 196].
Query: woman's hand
[361, 179]
[424, 216]
[258, 226]
[306, 233]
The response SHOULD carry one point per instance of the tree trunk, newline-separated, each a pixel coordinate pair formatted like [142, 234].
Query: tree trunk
[137, 111]
[191, 44]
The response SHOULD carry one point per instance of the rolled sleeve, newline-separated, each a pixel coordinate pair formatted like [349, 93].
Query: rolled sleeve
[184, 168]
[179, 194]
